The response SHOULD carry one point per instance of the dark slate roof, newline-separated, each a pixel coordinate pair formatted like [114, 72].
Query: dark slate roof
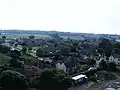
[116, 55]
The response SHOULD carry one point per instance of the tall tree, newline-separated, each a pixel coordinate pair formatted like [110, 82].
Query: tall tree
[12, 80]
[107, 47]
[53, 79]
[64, 50]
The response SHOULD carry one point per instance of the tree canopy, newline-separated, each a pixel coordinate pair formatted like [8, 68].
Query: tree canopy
[4, 49]
[64, 50]
[103, 65]
[39, 52]
[31, 37]
[3, 37]
[53, 79]
[24, 49]
[106, 46]
[12, 80]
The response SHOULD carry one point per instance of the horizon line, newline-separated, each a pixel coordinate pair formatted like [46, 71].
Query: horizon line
[59, 31]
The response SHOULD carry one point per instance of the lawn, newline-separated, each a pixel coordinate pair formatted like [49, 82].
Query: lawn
[36, 48]
[4, 59]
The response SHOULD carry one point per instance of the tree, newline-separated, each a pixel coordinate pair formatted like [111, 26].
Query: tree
[64, 50]
[39, 52]
[3, 37]
[107, 46]
[29, 48]
[12, 80]
[31, 37]
[15, 54]
[56, 36]
[103, 65]
[112, 66]
[4, 49]
[92, 62]
[73, 49]
[117, 47]
[100, 51]
[15, 63]
[53, 79]
[24, 49]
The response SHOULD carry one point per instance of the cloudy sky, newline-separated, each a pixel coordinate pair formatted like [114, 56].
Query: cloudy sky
[92, 16]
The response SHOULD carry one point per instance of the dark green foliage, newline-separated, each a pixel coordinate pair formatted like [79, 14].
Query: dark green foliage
[53, 79]
[100, 50]
[64, 50]
[39, 52]
[29, 48]
[103, 65]
[24, 49]
[112, 66]
[3, 37]
[92, 62]
[12, 80]
[73, 49]
[15, 63]
[107, 46]
[15, 54]
[31, 37]
[117, 47]
[4, 49]
[56, 36]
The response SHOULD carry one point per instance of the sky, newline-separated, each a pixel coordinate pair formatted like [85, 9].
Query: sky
[88, 16]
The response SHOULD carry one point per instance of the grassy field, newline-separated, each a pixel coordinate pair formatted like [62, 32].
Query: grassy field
[4, 59]
[24, 36]
[36, 36]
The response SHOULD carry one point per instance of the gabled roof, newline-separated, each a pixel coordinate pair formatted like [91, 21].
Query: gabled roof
[116, 55]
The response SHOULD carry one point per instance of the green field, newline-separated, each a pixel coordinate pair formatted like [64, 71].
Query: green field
[25, 36]
[45, 36]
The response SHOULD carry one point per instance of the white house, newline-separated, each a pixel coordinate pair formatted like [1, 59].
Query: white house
[61, 66]
[111, 59]
[85, 57]
[115, 58]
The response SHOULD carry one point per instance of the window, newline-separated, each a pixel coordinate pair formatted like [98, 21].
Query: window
[118, 59]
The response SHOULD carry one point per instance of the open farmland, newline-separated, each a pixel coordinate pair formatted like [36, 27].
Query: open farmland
[37, 36]
[24, 36]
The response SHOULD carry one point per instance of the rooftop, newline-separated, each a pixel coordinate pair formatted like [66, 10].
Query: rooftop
[78, 77]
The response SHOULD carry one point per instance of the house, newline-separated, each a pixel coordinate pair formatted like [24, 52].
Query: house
[115, 58]
[61, 66]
